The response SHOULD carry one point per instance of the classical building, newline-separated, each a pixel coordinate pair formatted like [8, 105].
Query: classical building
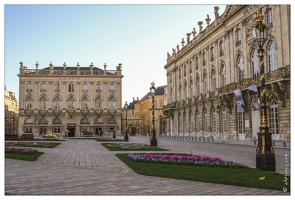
[76, 100]
[10, 112]
[213, 62]
[142, 110]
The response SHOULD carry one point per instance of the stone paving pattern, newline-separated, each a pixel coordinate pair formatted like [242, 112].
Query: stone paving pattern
[85, 167]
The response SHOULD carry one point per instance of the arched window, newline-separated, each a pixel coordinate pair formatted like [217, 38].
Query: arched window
[71, 103]
[57, 103]
[29, 102]
[223, 75]
[43, 102]
[84, 121]
[112, 103]
[56, 121]
[273, 116]
[255, 63]
[84, 102]
[98, 103]
[213, 79]
[240, 64]
[272, 56]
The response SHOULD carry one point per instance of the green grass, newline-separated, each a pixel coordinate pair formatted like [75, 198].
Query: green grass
[23, 156]
[33, 144]
[238, 176]
[118, 146]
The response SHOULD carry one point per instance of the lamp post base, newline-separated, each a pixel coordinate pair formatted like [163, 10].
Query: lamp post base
[154, 142]
[114, 135]
[126, 138]
[266, 162]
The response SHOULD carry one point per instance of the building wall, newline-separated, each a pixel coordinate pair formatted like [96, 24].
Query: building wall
[187, 71]
[85, 116]
[10, 112]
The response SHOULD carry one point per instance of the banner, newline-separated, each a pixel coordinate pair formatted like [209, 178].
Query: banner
[255, 101]
[239, 99]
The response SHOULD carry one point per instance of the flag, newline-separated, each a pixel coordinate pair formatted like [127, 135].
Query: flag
[255, 101]
[239, 99]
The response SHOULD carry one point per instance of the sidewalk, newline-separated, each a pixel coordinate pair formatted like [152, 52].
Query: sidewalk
[85, 167]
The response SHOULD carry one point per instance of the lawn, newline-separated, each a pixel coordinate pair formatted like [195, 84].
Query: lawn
[118, 146]
[23, 156]
[33, 144]
[238, 176]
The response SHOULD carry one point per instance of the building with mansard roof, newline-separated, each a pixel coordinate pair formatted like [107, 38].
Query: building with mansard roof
[214, 61]
[79, 101]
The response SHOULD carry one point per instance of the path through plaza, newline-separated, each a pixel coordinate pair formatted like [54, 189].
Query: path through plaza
[85, 167]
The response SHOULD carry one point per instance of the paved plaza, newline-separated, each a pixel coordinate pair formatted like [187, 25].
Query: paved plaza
[85, 167]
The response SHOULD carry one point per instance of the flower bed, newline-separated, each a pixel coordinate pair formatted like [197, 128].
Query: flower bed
[51, 135]
[13, 149]
[183, 159]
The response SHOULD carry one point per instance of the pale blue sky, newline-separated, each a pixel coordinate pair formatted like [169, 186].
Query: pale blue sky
[138, 36]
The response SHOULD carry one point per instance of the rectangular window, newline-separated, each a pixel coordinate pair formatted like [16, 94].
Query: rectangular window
[43, 87]
[241, 123]
[223, 119]
[98, 88]
[213, 84]
[29, 87]
[43, 130]
[112, 105]
[71, 88]
[57, 87]
[214, 122]
[112, 88]
[28, 129]
[84, 88]
[273, 120]
[56, 129]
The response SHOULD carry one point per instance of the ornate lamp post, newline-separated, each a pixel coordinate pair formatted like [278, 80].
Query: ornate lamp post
[153, 140]
[265, 153]
[160, 121]
[126, 125]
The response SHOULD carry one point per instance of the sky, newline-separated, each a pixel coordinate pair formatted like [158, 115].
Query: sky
[138, 36]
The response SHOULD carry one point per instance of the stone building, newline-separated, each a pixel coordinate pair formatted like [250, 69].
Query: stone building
[143, 111]
[10, 112]
[82, 101]
[221, 58]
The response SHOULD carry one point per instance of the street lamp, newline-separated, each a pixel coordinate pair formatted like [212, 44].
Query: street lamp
[160, 121]
[153, 141]
[126, 127]
[265, 153]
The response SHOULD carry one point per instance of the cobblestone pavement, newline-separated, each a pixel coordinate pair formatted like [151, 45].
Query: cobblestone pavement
[85, 167]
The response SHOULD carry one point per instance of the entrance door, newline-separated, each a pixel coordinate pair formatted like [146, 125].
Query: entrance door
[71, 132]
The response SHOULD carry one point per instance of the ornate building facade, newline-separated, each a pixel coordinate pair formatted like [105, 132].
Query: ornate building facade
[143, 110]
[210, 65]
[79, 101]
[10, 112]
